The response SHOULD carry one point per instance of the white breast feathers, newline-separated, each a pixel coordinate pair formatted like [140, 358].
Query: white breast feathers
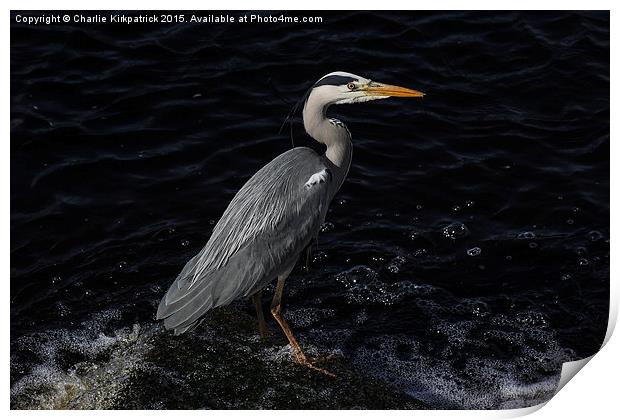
[317, 178]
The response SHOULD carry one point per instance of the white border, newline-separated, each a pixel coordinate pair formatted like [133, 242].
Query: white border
[594, 393]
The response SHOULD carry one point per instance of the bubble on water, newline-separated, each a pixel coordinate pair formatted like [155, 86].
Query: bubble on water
[508, 257]
[570, 221]
[532, 319]
[583, 262]
[455, 332]
[361, 317]
[305, 317]
[185, 243]
[418, 207]
[456, 208]
[581, 251]
[364, 286]
[566, 277]
[474, 252]
[56, 279]
[326, 227]
[413, 235]
[211, 222]
[560, 197]
[356, 275]
[319, 257]
[62, 309]
[331, 341]
[420, 252]
[396, 263]
[479, 309]
[595, 235]
[576, 209]
[278, 354]
[470, 203]
[379, 214]
[532, 245]
[455, 231]
[122, 264]
[526, 235]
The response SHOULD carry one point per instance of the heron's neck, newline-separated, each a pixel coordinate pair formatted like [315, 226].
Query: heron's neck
[332, 133]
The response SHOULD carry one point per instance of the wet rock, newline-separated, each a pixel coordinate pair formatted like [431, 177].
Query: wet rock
[222, 364]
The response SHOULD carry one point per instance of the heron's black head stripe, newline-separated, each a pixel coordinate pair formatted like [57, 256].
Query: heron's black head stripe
[335, 80]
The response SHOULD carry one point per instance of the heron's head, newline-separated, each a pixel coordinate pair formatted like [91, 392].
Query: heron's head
[341, 87]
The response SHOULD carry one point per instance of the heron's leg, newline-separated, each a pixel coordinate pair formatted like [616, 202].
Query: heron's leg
[275, 311]
[258, 304]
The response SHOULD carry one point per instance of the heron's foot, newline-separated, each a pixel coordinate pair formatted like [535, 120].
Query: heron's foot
[297, 351]
[303, 360]
[318, 369]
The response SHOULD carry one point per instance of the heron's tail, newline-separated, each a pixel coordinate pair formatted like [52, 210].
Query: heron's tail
[189, 298]
[181, 311]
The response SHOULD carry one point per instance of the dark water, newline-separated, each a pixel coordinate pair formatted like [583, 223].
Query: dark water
[465, 258]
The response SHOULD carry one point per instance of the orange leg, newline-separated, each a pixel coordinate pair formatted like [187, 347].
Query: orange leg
[275, 311]
[299, 354]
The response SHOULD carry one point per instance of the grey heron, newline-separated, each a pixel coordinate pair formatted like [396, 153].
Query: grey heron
[274, 216]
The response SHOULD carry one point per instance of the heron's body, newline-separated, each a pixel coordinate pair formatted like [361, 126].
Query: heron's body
[274, 216]
[261, 234]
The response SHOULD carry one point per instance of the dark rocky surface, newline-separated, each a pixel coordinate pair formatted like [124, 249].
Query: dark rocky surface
[222, 364]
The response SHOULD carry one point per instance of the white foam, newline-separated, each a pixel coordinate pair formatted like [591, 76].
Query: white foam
[305, 317]
[364, 285]
[478, 383]
[48, 383]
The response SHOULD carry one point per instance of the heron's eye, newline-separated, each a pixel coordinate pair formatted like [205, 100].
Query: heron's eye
[351, 86]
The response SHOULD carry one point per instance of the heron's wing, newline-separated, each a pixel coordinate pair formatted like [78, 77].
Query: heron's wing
[265, 226]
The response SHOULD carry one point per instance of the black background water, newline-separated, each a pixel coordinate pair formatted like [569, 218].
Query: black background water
[128, 141]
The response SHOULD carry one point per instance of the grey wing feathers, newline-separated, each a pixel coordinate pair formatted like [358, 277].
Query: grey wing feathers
[266, 225]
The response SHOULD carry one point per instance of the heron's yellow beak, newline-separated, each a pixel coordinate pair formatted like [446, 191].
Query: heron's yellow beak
[380, 89]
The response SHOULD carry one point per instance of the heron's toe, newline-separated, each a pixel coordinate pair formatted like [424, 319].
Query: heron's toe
[318, 369]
